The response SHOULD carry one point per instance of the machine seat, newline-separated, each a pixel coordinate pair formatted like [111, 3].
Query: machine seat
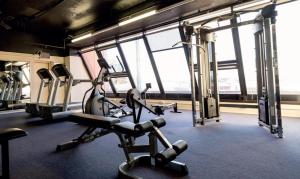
[11, 133]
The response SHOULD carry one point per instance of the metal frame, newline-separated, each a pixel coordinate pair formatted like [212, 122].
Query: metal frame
[123, 58]
[154, 67]
[208, 84]
[186, 52]
[238, 56]
[166, 49]
[215, 69]
[268, 87]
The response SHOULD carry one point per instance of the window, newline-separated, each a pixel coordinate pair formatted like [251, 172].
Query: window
[122, 84]
[224, 49]
[90, 58]
[164, 40]
[248, 54]
[113, 58]
[139, 64]
[228, 82]
[173, 70]
[288, 48]
[171, 63]
[248, 16]
[91, 62]
[224, 45]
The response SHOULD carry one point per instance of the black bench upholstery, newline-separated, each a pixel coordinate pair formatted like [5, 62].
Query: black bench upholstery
[133, 129]
[93, 120]
[11, 133]
[5, 136]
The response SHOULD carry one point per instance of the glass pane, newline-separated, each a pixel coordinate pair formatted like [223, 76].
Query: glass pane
[228, 82]
[248, 16]
[113, 58]
[215, 24]
[224, 45]
[139, 64]
[288, 47]
[90, 59]
[248, 54]
[164, 40]
[122, 84]
[173, 70]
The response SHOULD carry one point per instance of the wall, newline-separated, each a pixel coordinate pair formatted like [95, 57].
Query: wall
[78, 70]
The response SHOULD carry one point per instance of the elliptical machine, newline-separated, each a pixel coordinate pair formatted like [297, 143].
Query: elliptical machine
[97, 103]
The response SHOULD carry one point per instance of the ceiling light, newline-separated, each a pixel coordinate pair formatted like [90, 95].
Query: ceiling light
[136, 18]
[251, 4]
[105, 30]
[164, 28]
[81, 37]
[210, 15]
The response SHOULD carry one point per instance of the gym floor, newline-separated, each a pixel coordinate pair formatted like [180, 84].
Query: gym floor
[234, 148]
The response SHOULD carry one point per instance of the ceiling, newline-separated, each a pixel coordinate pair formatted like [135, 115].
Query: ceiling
[62, 18]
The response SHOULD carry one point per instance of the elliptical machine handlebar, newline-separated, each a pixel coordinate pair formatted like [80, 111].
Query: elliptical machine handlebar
[143, 93]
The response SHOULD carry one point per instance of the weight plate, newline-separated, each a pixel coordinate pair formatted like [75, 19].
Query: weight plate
[133, 93]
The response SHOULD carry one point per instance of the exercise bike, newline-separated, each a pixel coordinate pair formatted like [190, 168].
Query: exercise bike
[98, 103]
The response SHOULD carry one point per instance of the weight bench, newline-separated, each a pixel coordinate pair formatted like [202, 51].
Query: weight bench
[127, 133]
[5, 136]
[93, 122]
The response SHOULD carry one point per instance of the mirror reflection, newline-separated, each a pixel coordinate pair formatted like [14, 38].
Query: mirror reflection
[14, 85]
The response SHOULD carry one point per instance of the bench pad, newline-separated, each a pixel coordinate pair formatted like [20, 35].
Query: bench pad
[93, 120]
[133, 129]
[11, 133]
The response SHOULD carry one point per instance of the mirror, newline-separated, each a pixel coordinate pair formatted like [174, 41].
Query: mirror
[14, 85]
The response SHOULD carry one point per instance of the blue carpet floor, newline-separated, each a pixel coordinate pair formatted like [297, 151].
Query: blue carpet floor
[234, 148]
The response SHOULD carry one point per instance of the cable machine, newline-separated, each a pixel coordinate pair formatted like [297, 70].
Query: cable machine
[206, 93]
[268, 88]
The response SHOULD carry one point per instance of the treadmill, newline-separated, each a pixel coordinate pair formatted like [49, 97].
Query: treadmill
[47, 79]
[63, 77]
[6, 90]
[13, 94]
[5, 84]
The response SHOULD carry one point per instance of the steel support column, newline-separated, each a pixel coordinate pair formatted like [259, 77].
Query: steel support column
[238, 56]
